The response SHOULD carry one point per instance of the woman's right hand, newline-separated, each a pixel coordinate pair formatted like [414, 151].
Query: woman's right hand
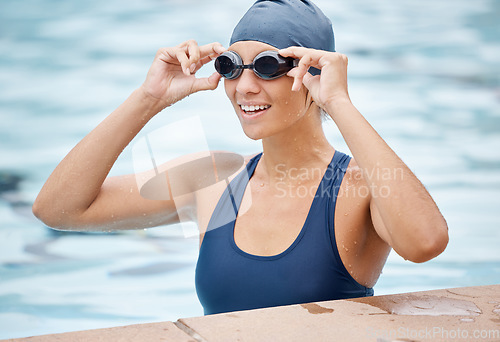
[171, 77]
[79, 195]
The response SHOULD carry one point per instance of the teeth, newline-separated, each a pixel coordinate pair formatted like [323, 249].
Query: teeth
[254, 108]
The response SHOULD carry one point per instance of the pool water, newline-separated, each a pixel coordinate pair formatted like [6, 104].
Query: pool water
[426, 75]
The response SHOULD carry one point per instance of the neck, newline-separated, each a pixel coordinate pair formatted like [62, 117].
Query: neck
[302, 145]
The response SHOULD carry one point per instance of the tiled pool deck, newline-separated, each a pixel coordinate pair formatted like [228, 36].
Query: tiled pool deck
[458, 314]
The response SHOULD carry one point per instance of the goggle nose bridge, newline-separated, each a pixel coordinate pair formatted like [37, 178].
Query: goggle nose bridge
[245, 66]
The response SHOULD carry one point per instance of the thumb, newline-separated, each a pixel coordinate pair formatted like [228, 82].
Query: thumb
[206, 83]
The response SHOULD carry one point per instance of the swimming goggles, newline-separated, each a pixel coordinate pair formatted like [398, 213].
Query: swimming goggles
[267, 65]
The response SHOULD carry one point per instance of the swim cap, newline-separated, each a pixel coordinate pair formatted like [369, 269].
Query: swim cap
[284, 23]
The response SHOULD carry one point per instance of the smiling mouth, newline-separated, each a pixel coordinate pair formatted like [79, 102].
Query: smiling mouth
[250, 110]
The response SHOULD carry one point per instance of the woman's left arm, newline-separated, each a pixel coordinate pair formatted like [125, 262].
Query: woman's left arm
[403, 212]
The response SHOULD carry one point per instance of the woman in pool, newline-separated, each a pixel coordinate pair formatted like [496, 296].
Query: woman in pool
[289, 245]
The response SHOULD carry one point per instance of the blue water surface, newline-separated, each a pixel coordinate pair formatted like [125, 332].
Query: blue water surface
[425, 74]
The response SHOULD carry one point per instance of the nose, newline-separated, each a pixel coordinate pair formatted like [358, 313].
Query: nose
[248, 82]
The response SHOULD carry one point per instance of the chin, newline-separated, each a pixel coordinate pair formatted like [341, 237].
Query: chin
[257, 132]
[254, 134]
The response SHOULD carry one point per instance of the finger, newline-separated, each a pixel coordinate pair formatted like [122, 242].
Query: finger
[213, 49]
[181, 56]
[200, 55]
[204, 61]
[308, 79]
[295, 51]
[193, 51]
[300, 52]
[302, 69]
[167, 55]
[208, 53]
[206, 83]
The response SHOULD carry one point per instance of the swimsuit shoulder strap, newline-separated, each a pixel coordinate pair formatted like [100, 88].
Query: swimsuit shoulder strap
[229, 203]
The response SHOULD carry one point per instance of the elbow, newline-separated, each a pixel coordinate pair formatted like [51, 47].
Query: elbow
[42, 213]
[39, 211]
[430, 247]
[431, 250]
[46, 213]
[60, 219]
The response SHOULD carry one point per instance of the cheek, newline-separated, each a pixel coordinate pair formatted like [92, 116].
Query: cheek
[293, 103]
[230, 88]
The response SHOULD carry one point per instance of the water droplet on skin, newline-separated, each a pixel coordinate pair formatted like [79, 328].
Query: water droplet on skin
[346, 214]
[497, 311]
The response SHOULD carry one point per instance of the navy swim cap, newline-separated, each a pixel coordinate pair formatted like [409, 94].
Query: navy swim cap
[284, 23]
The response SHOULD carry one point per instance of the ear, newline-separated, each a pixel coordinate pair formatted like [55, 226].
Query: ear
[310, 101]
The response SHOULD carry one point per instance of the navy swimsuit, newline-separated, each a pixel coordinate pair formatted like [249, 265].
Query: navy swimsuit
[309, 270]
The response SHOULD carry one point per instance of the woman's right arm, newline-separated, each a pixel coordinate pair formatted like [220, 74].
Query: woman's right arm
[79, 196]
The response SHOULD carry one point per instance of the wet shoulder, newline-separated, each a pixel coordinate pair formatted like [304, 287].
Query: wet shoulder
[354, 184]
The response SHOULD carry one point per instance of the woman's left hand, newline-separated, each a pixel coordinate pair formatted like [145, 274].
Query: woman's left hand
[327, 88]
[408, 219]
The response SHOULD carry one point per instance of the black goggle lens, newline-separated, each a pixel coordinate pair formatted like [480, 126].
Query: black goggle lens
[266, 65]
[225, 66]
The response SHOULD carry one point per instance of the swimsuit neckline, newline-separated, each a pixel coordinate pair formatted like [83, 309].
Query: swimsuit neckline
[303, 229]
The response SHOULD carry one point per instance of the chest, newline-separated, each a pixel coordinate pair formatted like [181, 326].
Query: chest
[271, 217]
